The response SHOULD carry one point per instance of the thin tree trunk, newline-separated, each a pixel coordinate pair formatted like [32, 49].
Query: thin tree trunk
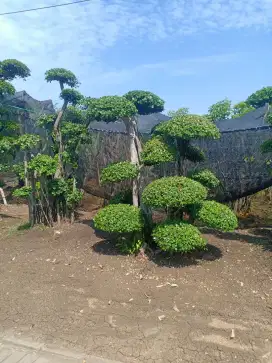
[58, 137]
[73, 210]
[32, 203]
[134, 158]
[3, 196]
[25, 168]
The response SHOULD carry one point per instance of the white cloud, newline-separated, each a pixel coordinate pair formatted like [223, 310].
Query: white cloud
[75, 36]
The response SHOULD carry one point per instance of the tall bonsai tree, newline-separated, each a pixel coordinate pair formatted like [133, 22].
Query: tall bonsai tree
[185, 198]
[10, 69]
[126, 108]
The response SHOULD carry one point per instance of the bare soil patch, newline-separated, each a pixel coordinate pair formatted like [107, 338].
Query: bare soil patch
[69, 287]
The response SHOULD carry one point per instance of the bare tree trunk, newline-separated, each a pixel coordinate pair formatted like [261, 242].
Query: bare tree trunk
[73, 211]
[58, 136]
[25, 168]
[134, 158]
[3, 196]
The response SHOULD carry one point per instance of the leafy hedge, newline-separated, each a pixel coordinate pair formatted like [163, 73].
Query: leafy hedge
[218, 216]
[189, 127]
[157, 151]
[177, 236]
[173, 192]
[117, 172]
[43, 164]
[119, 218]
[206, 178]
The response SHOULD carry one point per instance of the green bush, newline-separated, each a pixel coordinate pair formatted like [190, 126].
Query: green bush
[22, 192]
[189, 127]
[193, 153]
[266, 147]
[177, 191]
[177, 236]
[146, 102]
[43, 164]
[119, 171]
[119, 218]
[218, 216]
[157, 151]
[206, 178]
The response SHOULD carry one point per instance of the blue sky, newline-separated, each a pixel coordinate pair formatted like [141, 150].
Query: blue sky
[191, 53]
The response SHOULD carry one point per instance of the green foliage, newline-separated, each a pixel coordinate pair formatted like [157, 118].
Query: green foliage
[123, 197]
[75, 115]
[177, 191]
[119, 218]
[109, 108]
[12, 68]
[266, 147]
[73, 198]
[260, 97]
[6, 89]
[129, 245]
[61, 75]
[58, 187]
[268, 118]
[71, 95]
[46, 120]
[43, 164]
[220, 110]
[145, 102]
[179, 112]
[19, 169]
[23, 192]
[7, 144]
[189, 127]
[156, 151]
[192, 153]
[206, 178]
[241, 109]
[218, 216]
[117, 172]
[177, 236]
[28, 141]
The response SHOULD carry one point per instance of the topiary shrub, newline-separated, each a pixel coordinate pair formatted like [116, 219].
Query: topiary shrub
[117, 172]
[178, 236]
[156, 151]
[218, 216]
[146, 102]
[119, 218]
[177, 191]
[206, 178]
[189, 127]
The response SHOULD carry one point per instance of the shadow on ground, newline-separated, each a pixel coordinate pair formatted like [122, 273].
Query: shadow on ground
[257, 236]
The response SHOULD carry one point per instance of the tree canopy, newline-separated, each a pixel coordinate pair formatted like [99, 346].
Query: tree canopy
[63, 76]
[260, 97]
[220, 110]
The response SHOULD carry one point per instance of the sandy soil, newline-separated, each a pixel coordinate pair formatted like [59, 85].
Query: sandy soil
[69, 287]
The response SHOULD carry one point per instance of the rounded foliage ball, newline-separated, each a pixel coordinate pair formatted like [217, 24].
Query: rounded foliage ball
[6, 89]
[109, 108]
[177, 236]
[43, 164]
[62, 75]
[189, 127]
[71, 95]
[206, 178]
[146, 102]
[260, 97]
[156, 151]
[176, 191]
[117, 172]
[218, 216]
[119, 218]
[12, 68]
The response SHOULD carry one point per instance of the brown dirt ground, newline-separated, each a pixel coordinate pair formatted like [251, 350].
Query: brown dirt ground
[69, 287]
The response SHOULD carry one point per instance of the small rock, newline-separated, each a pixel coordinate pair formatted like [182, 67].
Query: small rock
[109, 302]
[130, 299]
[175, 308]
[47, 260]
[13, 259]
[100, 266]
[161, 317]
[141, 276]
[87, 269]
[232, 335]
[81, 311]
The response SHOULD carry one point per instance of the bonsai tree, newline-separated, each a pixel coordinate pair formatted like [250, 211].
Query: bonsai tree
[10, 140]
[125, 108]
[260, 97]
[185, 198]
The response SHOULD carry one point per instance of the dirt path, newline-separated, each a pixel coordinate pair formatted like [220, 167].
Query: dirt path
[71, 290]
